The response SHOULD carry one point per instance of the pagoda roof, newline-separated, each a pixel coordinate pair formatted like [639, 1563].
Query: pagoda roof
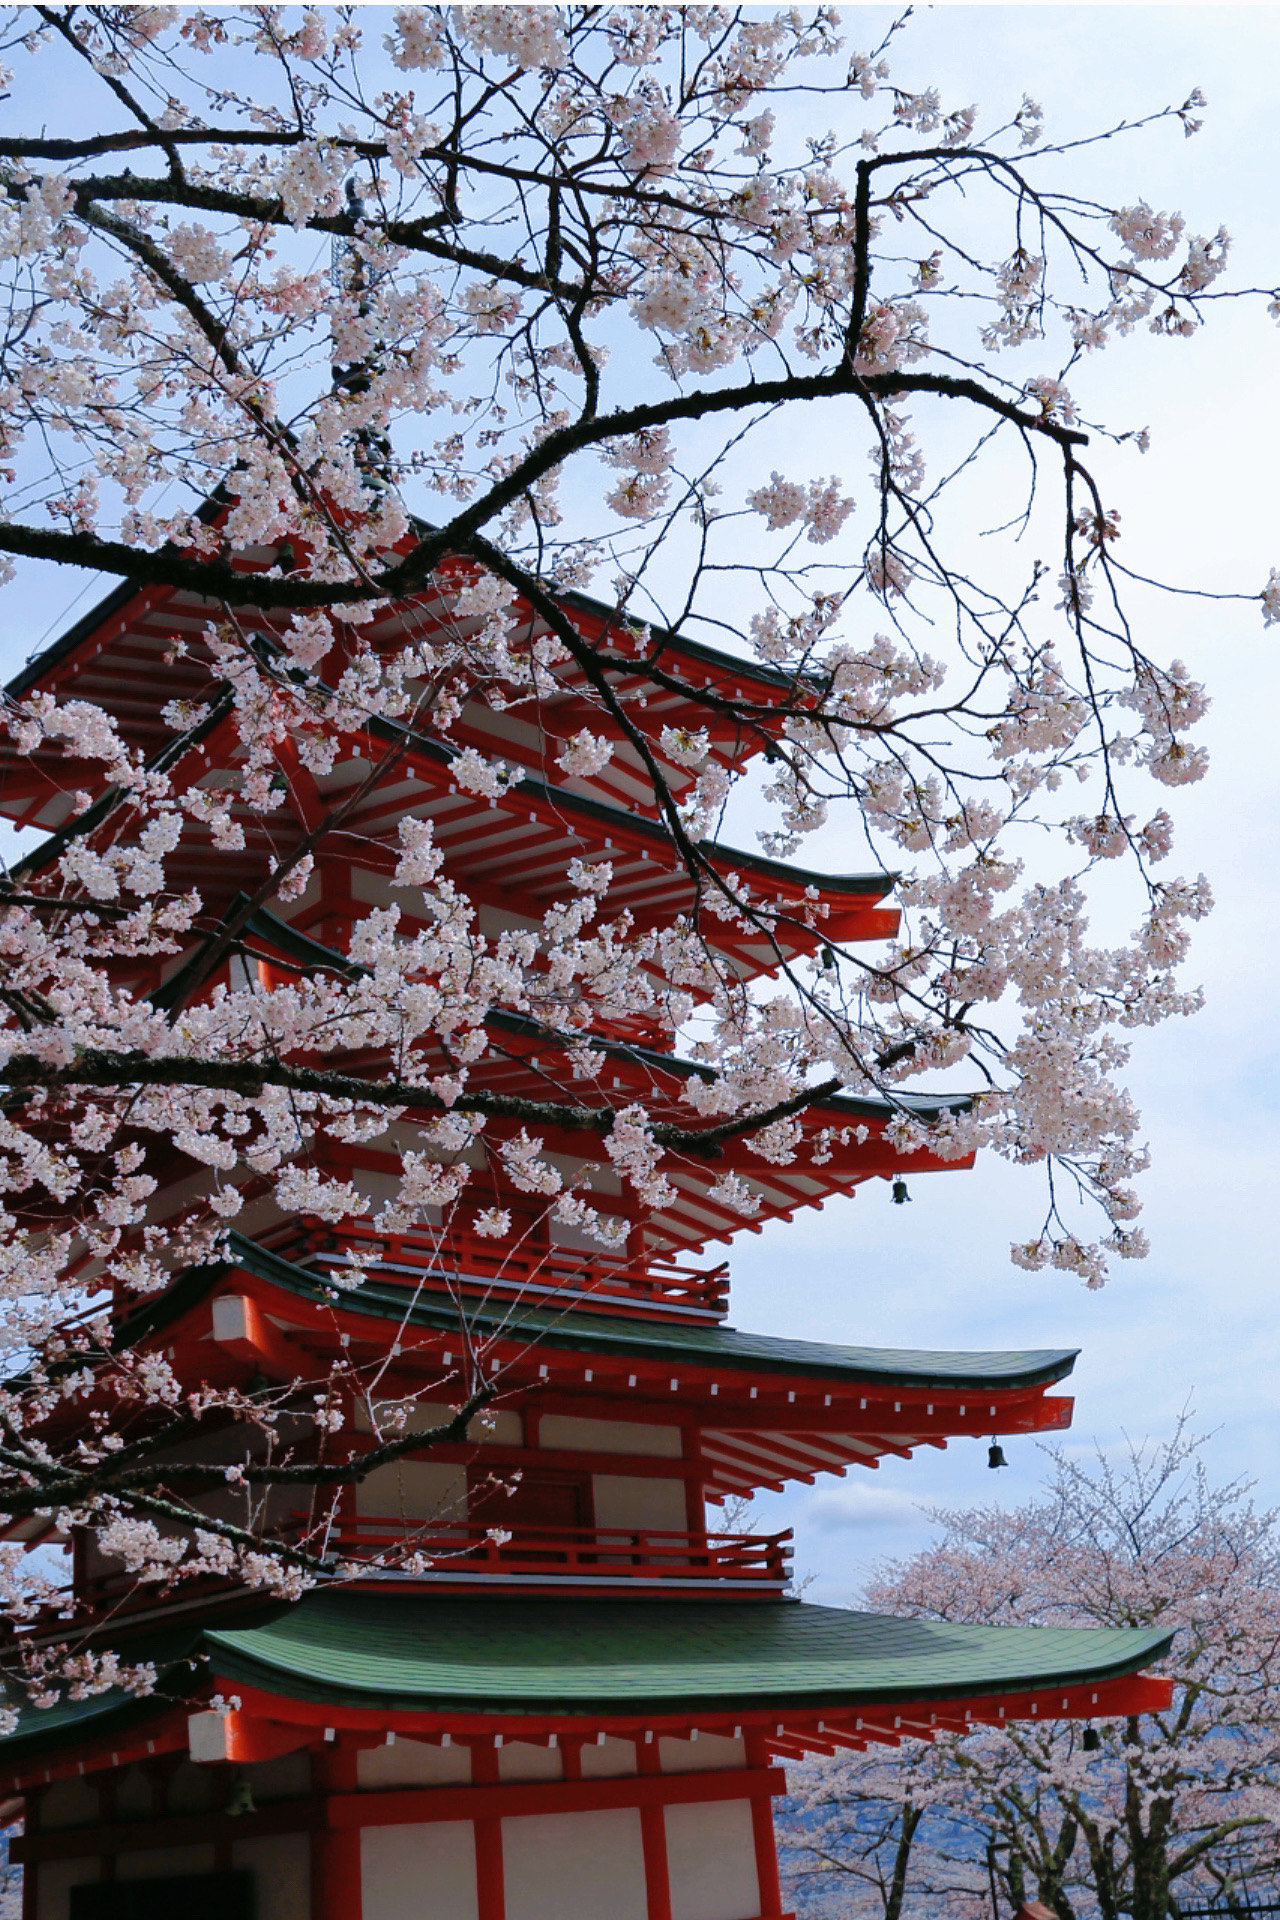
[115, 653]
[361, 1658]
[719, 1347]
[510, 852]
[767, 1410]
[523, 1655]
[520, 1065]
[595, 611]
[313, 956]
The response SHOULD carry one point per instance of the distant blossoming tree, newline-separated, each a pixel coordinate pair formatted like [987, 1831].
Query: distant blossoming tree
[462, 309]
[1169, 1811]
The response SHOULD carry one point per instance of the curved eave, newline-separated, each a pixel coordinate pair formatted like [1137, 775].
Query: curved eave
[720, 1348]
[617, 820]
[775, 678]
[313, 956]
[921, 1106]
[358, 1657]
[88, 624]
[609, 820]
[523, 1656]
[34, 670]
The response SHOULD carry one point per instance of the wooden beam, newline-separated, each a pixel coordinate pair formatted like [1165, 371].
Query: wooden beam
[240, 1325]
[410, 1806]
[241, 1738]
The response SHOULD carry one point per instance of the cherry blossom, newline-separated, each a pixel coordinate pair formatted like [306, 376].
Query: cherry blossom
[1168, 1808]
[447, 374]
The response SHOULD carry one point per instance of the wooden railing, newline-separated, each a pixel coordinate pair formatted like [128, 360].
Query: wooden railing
[467, 1261]
[585, 1553]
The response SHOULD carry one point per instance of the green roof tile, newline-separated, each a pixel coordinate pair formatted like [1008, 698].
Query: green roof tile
[424, 1654]
[412, 1653]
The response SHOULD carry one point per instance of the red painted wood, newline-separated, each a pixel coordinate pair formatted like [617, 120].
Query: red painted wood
[614, 1553]
[491, 1887]
[546, 1508]
[336, 1890]
[611, 1284]
[411, 1806]
[657, 1869]
[167, 1735]
[767, 1855]
[653, 1836]
[1104, 1699]
[168, 1830]
[491, 1892]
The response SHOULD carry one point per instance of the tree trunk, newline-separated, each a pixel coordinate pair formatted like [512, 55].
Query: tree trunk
[911, 1818]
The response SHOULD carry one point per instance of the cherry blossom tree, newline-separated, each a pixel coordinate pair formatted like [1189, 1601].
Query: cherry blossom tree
[1166, 1812]
[474, 309]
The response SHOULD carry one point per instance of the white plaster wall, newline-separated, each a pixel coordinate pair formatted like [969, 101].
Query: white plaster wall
[379, 1188]
[135, 1796]
[281, 1867]
[425, 1872]
[286, 1778]
[573, 1866]
[497, 1424]
[414, 1489]
[54, 1881]
[191, 1788]
[565, 1234]
[413, 1763]
[608, 1436]
[711, 1858]
[156, 1863]
[627, 1501]
[70, 1803]
[709, 1753]
[608, 1761]
[524, 1760]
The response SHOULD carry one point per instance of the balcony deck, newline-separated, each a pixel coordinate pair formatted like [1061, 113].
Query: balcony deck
[467, 1553]
[466, 1263]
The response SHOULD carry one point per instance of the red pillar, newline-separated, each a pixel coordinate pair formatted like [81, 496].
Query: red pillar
[491, 1892]
[336, 1892]
[695, 1501]
[766, 1858]
[765, 1839]
[653, 1836]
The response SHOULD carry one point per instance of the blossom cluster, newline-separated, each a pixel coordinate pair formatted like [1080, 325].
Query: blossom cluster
[340, 386]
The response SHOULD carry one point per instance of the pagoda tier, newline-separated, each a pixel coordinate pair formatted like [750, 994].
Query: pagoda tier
[363, 1757]
[843, 1142]
[530, 1682]
[606, 1438]
[124, 649]
[508, 854]
[737, 1411]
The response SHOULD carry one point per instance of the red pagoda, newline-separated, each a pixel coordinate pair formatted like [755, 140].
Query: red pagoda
[539, 1684]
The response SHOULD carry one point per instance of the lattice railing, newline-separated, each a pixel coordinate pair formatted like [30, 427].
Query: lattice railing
[561, 1553]
[470, 1262]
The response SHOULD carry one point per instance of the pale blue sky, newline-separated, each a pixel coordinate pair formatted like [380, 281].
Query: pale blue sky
[1199, 1320]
